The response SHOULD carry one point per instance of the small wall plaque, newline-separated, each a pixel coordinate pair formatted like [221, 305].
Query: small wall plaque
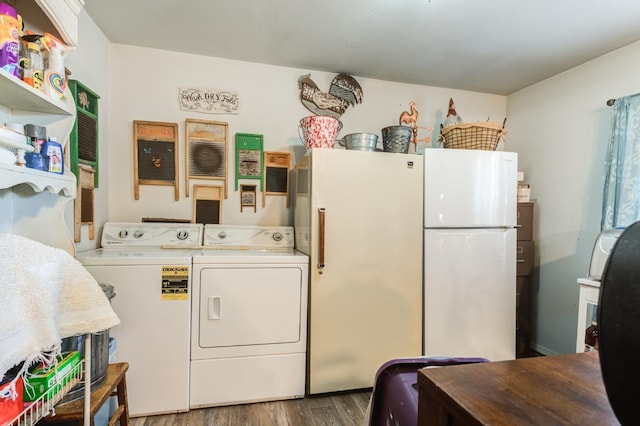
[208, 101]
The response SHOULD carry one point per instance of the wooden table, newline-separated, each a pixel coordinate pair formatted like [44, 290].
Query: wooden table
[552, 390]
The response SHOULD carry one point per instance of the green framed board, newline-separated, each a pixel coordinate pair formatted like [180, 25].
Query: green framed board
[83, 147]
[249, 151]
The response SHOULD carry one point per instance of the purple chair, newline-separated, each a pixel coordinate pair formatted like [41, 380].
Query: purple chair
[394, 400]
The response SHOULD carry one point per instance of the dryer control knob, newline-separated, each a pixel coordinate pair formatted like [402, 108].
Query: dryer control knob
[123, 233]
[222, 235]
[277, 236]
[183, 235]
[139, 233]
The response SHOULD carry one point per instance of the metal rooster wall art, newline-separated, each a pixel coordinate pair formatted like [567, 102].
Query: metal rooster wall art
[344, 92]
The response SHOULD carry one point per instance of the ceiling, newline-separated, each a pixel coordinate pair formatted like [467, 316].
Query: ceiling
[490, 46]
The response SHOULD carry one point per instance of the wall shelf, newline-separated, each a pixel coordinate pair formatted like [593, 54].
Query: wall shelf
[34, 200]
[20, 96]
[40, 181]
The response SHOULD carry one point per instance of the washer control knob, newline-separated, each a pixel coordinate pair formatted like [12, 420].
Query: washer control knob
[123, 233]
[183, 235]
[222, 235]
[139, 233]
[277, 236]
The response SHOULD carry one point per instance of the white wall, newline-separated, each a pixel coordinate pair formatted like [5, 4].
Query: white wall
[560, 129]
[145, 85]
[89, 64]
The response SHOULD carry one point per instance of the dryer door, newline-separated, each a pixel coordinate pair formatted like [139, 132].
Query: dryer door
[243, 306]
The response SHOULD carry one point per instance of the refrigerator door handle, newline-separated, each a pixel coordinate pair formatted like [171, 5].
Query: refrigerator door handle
[321, 224]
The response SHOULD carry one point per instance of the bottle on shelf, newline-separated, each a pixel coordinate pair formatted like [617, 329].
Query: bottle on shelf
[9, 39]
[37, 135]
[23, 52]
[52, 152]
[35, 160]
[34, 75]
[54, 78]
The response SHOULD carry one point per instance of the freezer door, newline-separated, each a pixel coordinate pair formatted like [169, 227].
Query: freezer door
[470, 293]
[469, 188]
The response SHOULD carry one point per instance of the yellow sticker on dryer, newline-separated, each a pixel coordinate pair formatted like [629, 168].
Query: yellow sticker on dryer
[175, 283]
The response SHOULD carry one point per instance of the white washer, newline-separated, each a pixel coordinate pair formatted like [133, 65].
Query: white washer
[249, 316]
[152, 286]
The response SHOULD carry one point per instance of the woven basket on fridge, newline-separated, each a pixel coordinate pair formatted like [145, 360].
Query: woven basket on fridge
[482, 135]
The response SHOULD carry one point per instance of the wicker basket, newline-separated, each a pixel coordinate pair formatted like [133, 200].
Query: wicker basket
[484, 136]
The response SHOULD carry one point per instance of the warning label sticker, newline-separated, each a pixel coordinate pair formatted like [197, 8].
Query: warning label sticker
[175, 283]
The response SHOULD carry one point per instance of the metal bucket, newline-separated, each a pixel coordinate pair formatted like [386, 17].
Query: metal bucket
[99, 354]
[396, 139]
[361, 141]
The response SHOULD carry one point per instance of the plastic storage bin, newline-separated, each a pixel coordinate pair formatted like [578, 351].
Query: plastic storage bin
[394, 400]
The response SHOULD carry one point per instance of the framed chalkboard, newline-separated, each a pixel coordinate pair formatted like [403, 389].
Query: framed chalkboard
[155, 154]
[207, 204]
[276, 175]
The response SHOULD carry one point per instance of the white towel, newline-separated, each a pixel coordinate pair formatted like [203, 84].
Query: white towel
[45, 296]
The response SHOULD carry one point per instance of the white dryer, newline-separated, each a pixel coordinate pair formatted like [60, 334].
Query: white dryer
[152, 286]
[249, 316]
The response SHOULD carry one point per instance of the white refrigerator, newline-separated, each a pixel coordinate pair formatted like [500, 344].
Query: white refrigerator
[358, 216]
[470, 208]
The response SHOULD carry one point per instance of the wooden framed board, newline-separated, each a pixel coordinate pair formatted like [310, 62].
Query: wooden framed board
[248, 196]
[276, 175]
[155, 153]
[206, 151]
[207, 204]
[249, 153]
[84, 202]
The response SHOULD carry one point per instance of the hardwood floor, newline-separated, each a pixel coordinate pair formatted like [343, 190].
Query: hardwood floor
[339, 409]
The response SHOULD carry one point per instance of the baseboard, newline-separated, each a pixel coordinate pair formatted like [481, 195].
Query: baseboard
[543, 350]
